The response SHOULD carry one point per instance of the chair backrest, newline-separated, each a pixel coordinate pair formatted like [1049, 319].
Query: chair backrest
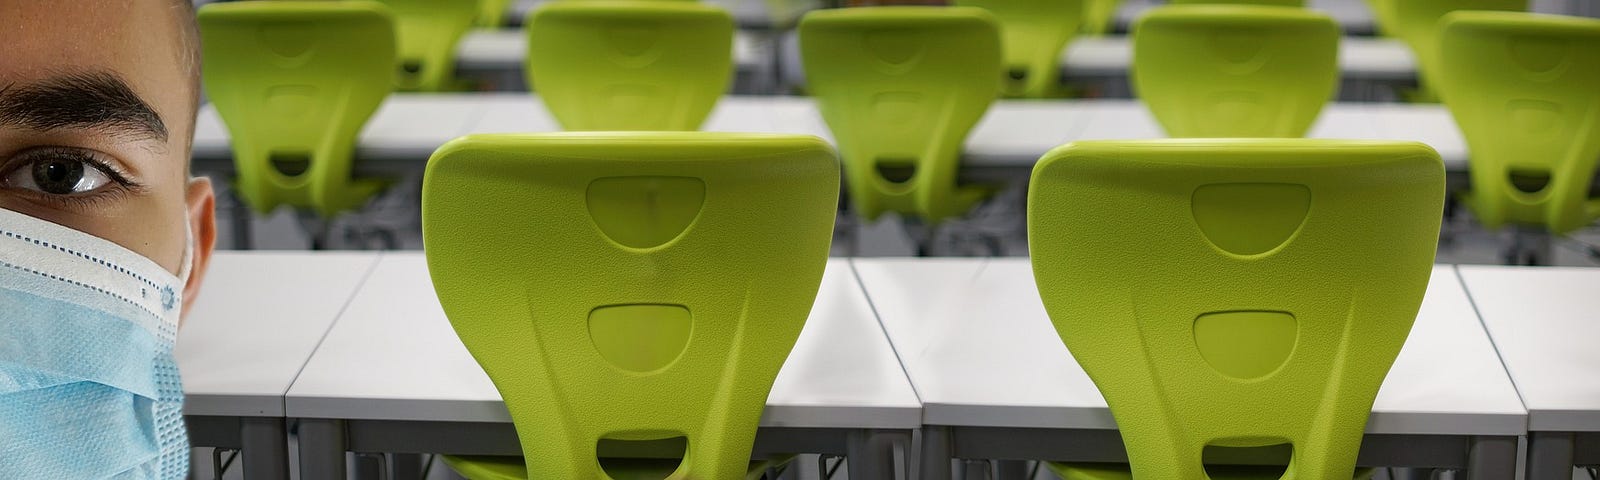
[1235, 70]
[629, 64]
[492, 13]
[1382, 16]
[1100, 16]
[900, 87]
[1236, 293]
[1033, 33]
[1525, 90]
[429, 31]
[1416, 23]
[630, 286]
[295, 82]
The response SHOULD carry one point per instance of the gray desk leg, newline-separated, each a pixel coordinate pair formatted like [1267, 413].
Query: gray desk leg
[936, 453]
[264, 448]
[1549, 456]
[1492, 458]
[405, 466]
[1011, 469]
[871, 454]
[322, 447]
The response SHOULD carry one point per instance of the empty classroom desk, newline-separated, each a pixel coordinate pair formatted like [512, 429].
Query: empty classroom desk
[253, 326]
[1353, 16]
[997, 383]
[1005, 144]
[501, 53]
[1545, 322]
[392, 376]
[747, 14]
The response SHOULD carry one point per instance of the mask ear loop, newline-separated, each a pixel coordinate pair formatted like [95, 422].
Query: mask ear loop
[187, 266]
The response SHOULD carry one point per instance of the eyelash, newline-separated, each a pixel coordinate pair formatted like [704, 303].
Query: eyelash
[120, 184]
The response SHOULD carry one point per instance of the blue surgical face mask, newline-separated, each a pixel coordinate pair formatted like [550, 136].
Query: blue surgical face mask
[88, 386]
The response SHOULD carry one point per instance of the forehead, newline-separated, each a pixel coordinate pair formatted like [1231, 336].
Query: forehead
[137, 40]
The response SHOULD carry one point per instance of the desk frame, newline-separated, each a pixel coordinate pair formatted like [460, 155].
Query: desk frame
[262, 442]
[1482, 457]
[1553, 455]
[323, 443]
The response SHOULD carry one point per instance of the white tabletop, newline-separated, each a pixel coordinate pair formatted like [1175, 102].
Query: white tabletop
[1352, 15]
[507, 49]
[980, 349]
[1013, 134]
[256, 322]
[746, 13]
[1546, 322]
[1359, 58]
[393, 356]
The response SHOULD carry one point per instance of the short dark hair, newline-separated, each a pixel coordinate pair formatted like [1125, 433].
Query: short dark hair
[189, 55]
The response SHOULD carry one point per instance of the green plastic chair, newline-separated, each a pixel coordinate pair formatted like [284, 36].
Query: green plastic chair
[1033, 34]
[492, 13]
[1382, 16]
[1525, 90]
[1235, 70]
[1416, 23]
[1211, 288]
[900, 87]
[429, 31]
[630, 64]
[295, 82]
[650, 288]
[1099, 16]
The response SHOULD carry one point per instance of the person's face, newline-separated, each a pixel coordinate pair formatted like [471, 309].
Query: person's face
[96, 119]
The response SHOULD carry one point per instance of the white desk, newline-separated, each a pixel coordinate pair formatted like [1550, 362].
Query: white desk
[1353, 16]
[505, 50]
[1546, 322]
[253, 326]
[392, 376]
[746, 13]
[1010, 138]
[980, 349]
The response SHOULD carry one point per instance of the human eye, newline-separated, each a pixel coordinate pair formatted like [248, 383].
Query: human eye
[62, 173]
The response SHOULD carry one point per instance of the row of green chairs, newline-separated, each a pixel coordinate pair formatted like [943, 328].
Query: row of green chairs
[900, 87]
[295, 81]
[655, 283]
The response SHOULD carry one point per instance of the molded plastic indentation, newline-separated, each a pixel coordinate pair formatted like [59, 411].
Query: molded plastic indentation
[1250, 218]
[1242, 50]
[1247, 458]
[634, 46]
[640, 338]
[1236, 108]
[1536, 120]
[292, 102]
[292, 42]
[896, 50]
[1245, 345]
[645, 212]
[633, 100]
[1528, 180]
[896, 108]
[290, 164]
[411, 67]
[896, 170]
[1543, 57]
[642, 459]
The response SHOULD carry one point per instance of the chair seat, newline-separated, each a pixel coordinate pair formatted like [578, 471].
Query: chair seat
[1119, 471]
[513, 468]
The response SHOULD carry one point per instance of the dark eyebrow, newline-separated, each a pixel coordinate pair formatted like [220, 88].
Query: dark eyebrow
[95, 100]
